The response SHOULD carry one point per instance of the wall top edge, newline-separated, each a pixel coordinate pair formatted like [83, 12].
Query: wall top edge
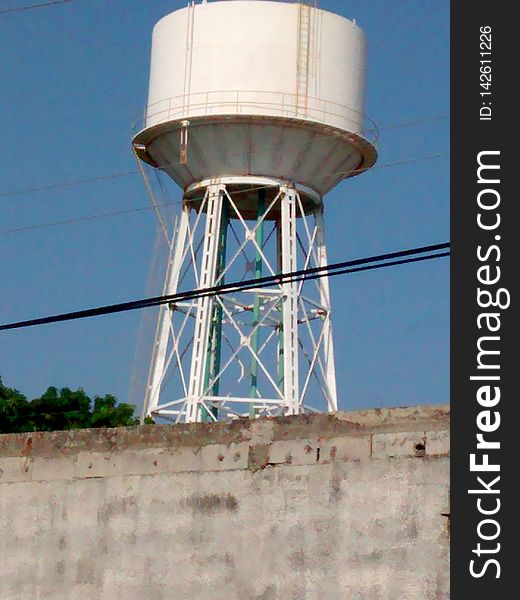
[320, 426]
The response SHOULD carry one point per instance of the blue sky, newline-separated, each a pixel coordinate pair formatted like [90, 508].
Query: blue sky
[73, 77]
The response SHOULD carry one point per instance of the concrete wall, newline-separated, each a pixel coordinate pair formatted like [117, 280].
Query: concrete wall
[331, 507]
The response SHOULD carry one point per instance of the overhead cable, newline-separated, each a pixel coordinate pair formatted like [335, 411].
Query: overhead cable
[26, 7]
[341, 268]
[399, 163]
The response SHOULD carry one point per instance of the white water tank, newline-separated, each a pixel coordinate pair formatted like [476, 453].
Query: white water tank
[250, 88]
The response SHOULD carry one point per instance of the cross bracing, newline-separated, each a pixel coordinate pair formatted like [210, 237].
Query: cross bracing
[266, 351]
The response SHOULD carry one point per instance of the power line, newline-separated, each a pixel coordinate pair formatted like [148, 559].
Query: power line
[75, 182]
[342, 268]
[397, 163]
[414, 122]
[116, 213]
[147, 208]
[64, 184]
[14, 9]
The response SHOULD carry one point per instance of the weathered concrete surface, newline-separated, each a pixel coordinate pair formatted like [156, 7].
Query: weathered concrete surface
[331, 507]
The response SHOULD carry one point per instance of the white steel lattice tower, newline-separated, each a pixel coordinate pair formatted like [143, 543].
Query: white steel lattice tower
[256, 110]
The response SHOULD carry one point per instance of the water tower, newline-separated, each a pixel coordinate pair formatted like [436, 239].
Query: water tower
[255, 109]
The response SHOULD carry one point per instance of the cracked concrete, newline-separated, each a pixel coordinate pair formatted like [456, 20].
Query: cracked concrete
[336, 506]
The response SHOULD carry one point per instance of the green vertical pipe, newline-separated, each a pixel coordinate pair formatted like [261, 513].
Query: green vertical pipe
[215, 335]
[217, 346]
[255, 338]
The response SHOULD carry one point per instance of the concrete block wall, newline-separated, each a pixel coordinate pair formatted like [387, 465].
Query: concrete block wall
[344, 506]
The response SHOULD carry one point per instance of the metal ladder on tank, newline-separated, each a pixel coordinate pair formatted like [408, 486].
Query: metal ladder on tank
[302, 58]
[188, 60]
[188, 57]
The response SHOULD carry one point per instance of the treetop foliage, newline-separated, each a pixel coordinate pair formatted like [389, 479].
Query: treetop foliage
[59, 409]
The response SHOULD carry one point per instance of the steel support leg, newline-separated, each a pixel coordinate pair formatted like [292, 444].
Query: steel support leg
[215, 345]
[255, 338]
[290, 305]
[156, 373]
[204, 311]
[328, 345]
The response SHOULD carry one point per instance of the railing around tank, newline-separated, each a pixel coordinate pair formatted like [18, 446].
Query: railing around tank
[256, 102]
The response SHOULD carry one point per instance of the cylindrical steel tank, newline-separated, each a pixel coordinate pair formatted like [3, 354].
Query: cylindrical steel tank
[249, 88]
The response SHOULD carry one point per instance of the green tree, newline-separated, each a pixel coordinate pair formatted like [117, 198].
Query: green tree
[59, 409]
[13, 410]
[107, 413]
